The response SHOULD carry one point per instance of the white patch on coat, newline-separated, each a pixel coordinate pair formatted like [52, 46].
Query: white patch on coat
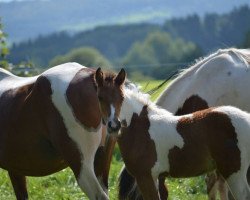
[162, 126]
[112, 116]
[133, 102]
[9, 81]
[87, 142]
[241, 122]
[165, 136]
[219, 79]
[60, 78]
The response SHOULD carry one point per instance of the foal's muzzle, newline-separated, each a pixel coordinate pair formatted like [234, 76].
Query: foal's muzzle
[114, 126]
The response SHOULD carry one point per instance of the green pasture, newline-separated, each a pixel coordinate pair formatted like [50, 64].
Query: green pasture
[63, 186]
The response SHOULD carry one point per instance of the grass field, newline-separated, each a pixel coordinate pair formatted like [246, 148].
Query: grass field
[62, 185]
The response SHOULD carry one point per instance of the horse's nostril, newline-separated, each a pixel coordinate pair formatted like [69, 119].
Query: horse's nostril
[119, 125]
[109, 124]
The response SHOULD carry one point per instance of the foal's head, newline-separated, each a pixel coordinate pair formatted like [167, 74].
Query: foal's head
[110, 95]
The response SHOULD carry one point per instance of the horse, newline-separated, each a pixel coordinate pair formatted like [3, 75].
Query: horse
[50, 122]
[154, 142]
[219, 79]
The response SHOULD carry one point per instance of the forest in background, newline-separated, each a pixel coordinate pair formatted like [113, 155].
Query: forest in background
[146, 49]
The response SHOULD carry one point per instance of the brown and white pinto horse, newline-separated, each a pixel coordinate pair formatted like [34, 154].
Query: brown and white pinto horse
[50, 122]
[154, 142]
[219, 79]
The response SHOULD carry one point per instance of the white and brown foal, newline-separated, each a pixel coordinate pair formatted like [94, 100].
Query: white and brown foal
[50, 122]
[218, 79]
[154, 142]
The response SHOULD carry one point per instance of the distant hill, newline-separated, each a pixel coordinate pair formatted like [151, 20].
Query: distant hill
[209, 32]
[28, 19]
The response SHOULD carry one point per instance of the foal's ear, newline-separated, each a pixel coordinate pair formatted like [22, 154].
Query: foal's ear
[120, 78]
[144, 111]
[99, 77]
[134, 118]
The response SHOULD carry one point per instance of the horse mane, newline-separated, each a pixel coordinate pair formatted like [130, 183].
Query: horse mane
[185, 73]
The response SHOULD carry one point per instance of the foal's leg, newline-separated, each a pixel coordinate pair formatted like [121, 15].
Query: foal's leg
[147, 187]
[19, 185]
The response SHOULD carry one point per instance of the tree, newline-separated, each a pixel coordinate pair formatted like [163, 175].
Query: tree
[4, 51]
[246, 43]
[86, 56]
[160, 54]
[21, 69]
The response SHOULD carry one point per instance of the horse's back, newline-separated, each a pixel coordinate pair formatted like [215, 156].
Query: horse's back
[9, 81]
[219, 79]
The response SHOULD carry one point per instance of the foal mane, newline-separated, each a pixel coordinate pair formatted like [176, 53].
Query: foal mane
[132, 91]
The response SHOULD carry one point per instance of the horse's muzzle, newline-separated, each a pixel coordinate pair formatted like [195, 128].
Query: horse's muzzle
[114, 127]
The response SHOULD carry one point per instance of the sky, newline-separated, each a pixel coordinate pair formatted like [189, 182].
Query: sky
[17, 0]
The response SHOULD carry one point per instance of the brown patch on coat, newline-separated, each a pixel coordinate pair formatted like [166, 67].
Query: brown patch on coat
[210, 142]
[139, 153]
[33, 137]
[192, 104]
[81, 95]
[137, 148]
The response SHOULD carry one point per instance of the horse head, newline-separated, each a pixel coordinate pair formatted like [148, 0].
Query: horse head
[110, 95]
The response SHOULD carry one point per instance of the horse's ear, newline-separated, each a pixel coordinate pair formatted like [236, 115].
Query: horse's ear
[99, 77]
[120, 78]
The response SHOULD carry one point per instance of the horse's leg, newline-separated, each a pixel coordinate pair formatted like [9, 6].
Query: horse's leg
[19, 185]
[163, 191]
[147, 187]
[103, 159]
[89, 183]
[127, 186]
[99, 166]
[248, 176]
[238, 185]
[211, 182]
[109, 147]
[223, 188]
[79, 154]
[216, 183]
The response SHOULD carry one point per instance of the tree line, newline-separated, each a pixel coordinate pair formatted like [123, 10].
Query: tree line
[150, 49]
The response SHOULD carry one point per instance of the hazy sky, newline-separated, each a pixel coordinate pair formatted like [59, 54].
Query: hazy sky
[17, 0]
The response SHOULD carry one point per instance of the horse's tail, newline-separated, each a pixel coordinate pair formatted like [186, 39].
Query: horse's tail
[128, 189]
